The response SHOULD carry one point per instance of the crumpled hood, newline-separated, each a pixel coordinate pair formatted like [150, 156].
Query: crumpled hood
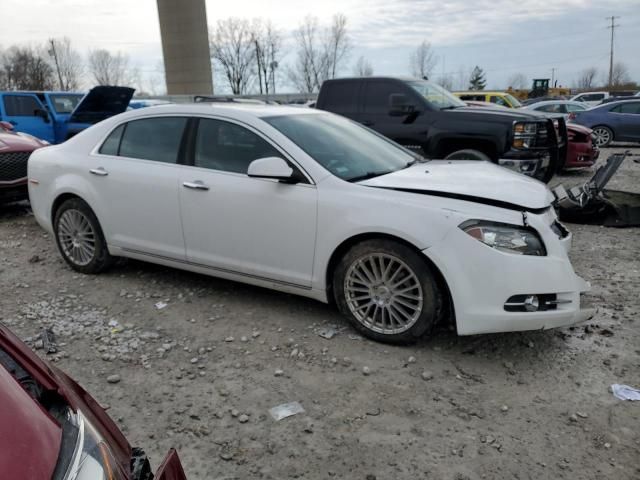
[472, 180]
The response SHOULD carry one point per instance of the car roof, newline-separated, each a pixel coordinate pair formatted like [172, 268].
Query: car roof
[551, 102]
[231, 110]
[482, 92]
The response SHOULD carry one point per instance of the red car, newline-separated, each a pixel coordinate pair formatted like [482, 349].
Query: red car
[51, 429]
[582, 151]
[15, 149]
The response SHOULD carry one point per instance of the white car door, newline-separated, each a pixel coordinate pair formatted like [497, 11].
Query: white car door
[135, 179]
[259, 228]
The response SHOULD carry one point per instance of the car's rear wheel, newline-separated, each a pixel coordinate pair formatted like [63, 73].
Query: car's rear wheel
[468, 154]
[79, 237]
[604, 136]
[387, 291]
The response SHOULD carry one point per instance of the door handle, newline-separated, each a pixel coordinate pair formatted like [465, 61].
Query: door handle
[196, 185]
[100, 171]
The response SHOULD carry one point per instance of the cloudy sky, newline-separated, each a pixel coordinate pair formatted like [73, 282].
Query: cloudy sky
[504, 37]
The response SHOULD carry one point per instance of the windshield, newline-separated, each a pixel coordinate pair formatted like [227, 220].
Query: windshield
[515, 103]
[343, 147]
[65, 103]
[436, 95]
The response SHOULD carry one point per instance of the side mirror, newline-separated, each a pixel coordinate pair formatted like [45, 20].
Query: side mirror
[399, 105]
[43, 114]
[7, 126]
[271, 167]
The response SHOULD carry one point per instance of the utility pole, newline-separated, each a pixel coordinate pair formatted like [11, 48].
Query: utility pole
[52, 52]
[553, 76]
[613, 28]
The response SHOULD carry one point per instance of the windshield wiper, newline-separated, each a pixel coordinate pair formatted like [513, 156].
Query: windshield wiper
[368, 175]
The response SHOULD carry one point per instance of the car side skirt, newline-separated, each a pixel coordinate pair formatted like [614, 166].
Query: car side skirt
[304, 291]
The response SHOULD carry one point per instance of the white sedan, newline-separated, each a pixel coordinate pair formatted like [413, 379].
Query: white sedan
[314, 204]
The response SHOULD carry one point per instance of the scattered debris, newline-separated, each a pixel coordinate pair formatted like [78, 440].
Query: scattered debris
[278, 373]
[327, 332]
[48, 341]
[625, 392]
[427, 375]
[366, 371]
[286, 410]
[115, 378]
[161, 305]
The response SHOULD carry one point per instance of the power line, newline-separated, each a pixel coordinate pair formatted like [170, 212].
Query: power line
[613, 28]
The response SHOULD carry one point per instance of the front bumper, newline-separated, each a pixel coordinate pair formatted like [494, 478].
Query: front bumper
[11, 191]
[528, 162]
[481, 279]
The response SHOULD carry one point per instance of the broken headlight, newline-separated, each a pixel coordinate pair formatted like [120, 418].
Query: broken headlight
[504, 237]
[92, 459]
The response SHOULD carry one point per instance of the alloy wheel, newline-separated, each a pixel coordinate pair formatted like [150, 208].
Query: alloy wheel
[383, 293]
[603, 136]
[77, 237]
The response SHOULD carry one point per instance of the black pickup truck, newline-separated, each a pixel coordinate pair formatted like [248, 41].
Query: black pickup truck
[427, 119]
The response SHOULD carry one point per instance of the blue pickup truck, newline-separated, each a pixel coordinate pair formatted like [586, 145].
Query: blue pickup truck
[57, 116]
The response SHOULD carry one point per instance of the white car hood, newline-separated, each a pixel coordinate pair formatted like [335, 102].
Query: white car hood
[472, 180]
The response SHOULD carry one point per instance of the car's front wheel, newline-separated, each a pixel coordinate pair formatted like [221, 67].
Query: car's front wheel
[79, 237]
[604, 136]
[387, 291]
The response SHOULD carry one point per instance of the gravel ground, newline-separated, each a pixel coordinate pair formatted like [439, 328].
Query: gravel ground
[202, 373]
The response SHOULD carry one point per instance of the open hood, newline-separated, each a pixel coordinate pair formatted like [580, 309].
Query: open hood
[471, 180]
[100, 103]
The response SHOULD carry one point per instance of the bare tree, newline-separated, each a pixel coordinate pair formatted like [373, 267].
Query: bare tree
[109, 69]
[518, 81]
[321, 53]
[307, 71]
[620, 75]
[66, 62]
[25, 68]
[363, 67]
[446, 81]
[337, 46]
[586, 78]
[232, 48]
[422, 60]
[267, 42]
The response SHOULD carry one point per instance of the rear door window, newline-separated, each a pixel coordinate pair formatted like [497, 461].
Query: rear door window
[155, 139]
[630, 107]
[376, 97]
[112, 144]
[21, 105]
[342, 98]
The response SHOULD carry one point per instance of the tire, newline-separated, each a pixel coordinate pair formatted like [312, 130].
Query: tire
[358, 283]
[468, 154]
[79, 237]
[604, 136]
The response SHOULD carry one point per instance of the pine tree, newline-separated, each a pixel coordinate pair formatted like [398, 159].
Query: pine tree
[477, 80]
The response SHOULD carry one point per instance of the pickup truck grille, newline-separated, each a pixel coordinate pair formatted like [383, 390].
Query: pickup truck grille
[13, 165]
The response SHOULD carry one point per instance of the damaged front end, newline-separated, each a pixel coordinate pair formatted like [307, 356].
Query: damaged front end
[592, 204]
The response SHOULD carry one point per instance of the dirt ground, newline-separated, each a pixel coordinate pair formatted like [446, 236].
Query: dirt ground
[202, 373]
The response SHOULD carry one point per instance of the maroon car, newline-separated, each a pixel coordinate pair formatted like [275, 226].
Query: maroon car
[51, 429]
[15, 149]
[582, 151]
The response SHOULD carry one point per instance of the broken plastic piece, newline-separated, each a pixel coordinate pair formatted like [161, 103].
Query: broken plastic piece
[161, 305]
[286, 410]
[625, 392]
[48, 341]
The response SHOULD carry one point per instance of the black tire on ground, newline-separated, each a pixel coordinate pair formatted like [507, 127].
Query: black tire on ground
[468, 154]
[94, 261]
[604, 135]
[424, 314]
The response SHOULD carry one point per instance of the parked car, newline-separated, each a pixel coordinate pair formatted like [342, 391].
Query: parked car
[57, 116]
[581, 151]
[429, 120]
[15, 149]
[590, 98]
[500, 98]
[565, 107]
[619, 121]
[531, 101]
[314, 204]
[53, 429]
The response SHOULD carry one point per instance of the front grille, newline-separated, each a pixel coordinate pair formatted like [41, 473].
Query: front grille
[13, 165]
